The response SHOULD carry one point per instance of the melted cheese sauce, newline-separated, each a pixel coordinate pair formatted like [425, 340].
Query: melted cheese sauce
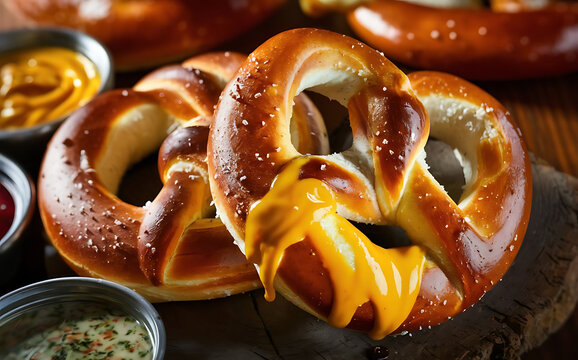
[107, 336]
[360, 271]
[44, 84]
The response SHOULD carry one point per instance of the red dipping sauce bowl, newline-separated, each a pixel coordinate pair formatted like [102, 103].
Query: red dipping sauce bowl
[6, 210]
[17, 204]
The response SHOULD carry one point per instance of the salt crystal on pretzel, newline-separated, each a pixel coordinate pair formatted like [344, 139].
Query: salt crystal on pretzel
[290, 215]
[173, 248]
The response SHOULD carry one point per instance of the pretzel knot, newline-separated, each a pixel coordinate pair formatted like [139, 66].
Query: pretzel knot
[290, 212]
[172, 248]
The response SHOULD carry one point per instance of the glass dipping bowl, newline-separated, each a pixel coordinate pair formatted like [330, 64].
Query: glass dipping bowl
[33, 309]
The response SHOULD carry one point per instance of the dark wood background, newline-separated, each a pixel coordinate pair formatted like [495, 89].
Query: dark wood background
[546, 110]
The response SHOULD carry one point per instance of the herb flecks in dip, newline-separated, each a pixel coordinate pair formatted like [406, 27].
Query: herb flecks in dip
[107, 336]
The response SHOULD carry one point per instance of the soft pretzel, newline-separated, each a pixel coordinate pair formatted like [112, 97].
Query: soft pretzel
[170, 249]
[142, 34]
[289, 213]
[515, 39]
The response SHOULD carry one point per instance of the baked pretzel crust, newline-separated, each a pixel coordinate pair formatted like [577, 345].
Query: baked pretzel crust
[172, 248]
[382, 178]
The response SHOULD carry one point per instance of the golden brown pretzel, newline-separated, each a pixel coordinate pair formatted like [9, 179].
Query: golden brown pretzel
[513, 40]
[288, 215]
[145, 33]
[170, 249]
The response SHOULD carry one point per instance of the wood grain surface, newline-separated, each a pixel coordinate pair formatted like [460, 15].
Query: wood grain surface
[546, 111]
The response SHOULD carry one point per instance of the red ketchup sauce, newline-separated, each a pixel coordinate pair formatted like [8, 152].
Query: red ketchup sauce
[6, 210]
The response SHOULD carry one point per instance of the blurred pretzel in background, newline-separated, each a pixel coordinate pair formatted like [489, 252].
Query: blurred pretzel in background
[142, 34]
[513, 39]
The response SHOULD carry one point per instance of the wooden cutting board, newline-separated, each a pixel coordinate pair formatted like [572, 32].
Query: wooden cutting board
[534, 298]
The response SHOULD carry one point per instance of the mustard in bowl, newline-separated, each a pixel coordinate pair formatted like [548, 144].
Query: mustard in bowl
[45, 75]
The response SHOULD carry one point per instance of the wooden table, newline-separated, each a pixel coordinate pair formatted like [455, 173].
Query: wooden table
[546, 111]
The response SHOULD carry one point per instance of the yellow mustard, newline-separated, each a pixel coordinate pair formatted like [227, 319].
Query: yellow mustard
[360, 271]
[43, 84]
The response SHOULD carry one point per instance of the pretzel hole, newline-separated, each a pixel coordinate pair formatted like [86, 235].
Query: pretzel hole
[385, 236]
[133, 189]
[336, 121]
[463, 126]
[445, 167]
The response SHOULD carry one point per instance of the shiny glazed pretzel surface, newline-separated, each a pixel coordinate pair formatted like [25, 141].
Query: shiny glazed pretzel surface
[172, 248]
[511, 40]
[287, 210]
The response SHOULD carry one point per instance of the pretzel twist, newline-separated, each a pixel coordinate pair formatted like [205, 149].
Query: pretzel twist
[142, 34]
[289, 212]
[514, 39]
[170, 249]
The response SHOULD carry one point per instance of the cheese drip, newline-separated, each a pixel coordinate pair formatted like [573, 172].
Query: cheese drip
[44, 84]
[360, 271]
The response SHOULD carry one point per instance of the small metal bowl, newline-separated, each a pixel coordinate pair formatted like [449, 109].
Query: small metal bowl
[28, 144]
[22, 190]
[28, 311]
